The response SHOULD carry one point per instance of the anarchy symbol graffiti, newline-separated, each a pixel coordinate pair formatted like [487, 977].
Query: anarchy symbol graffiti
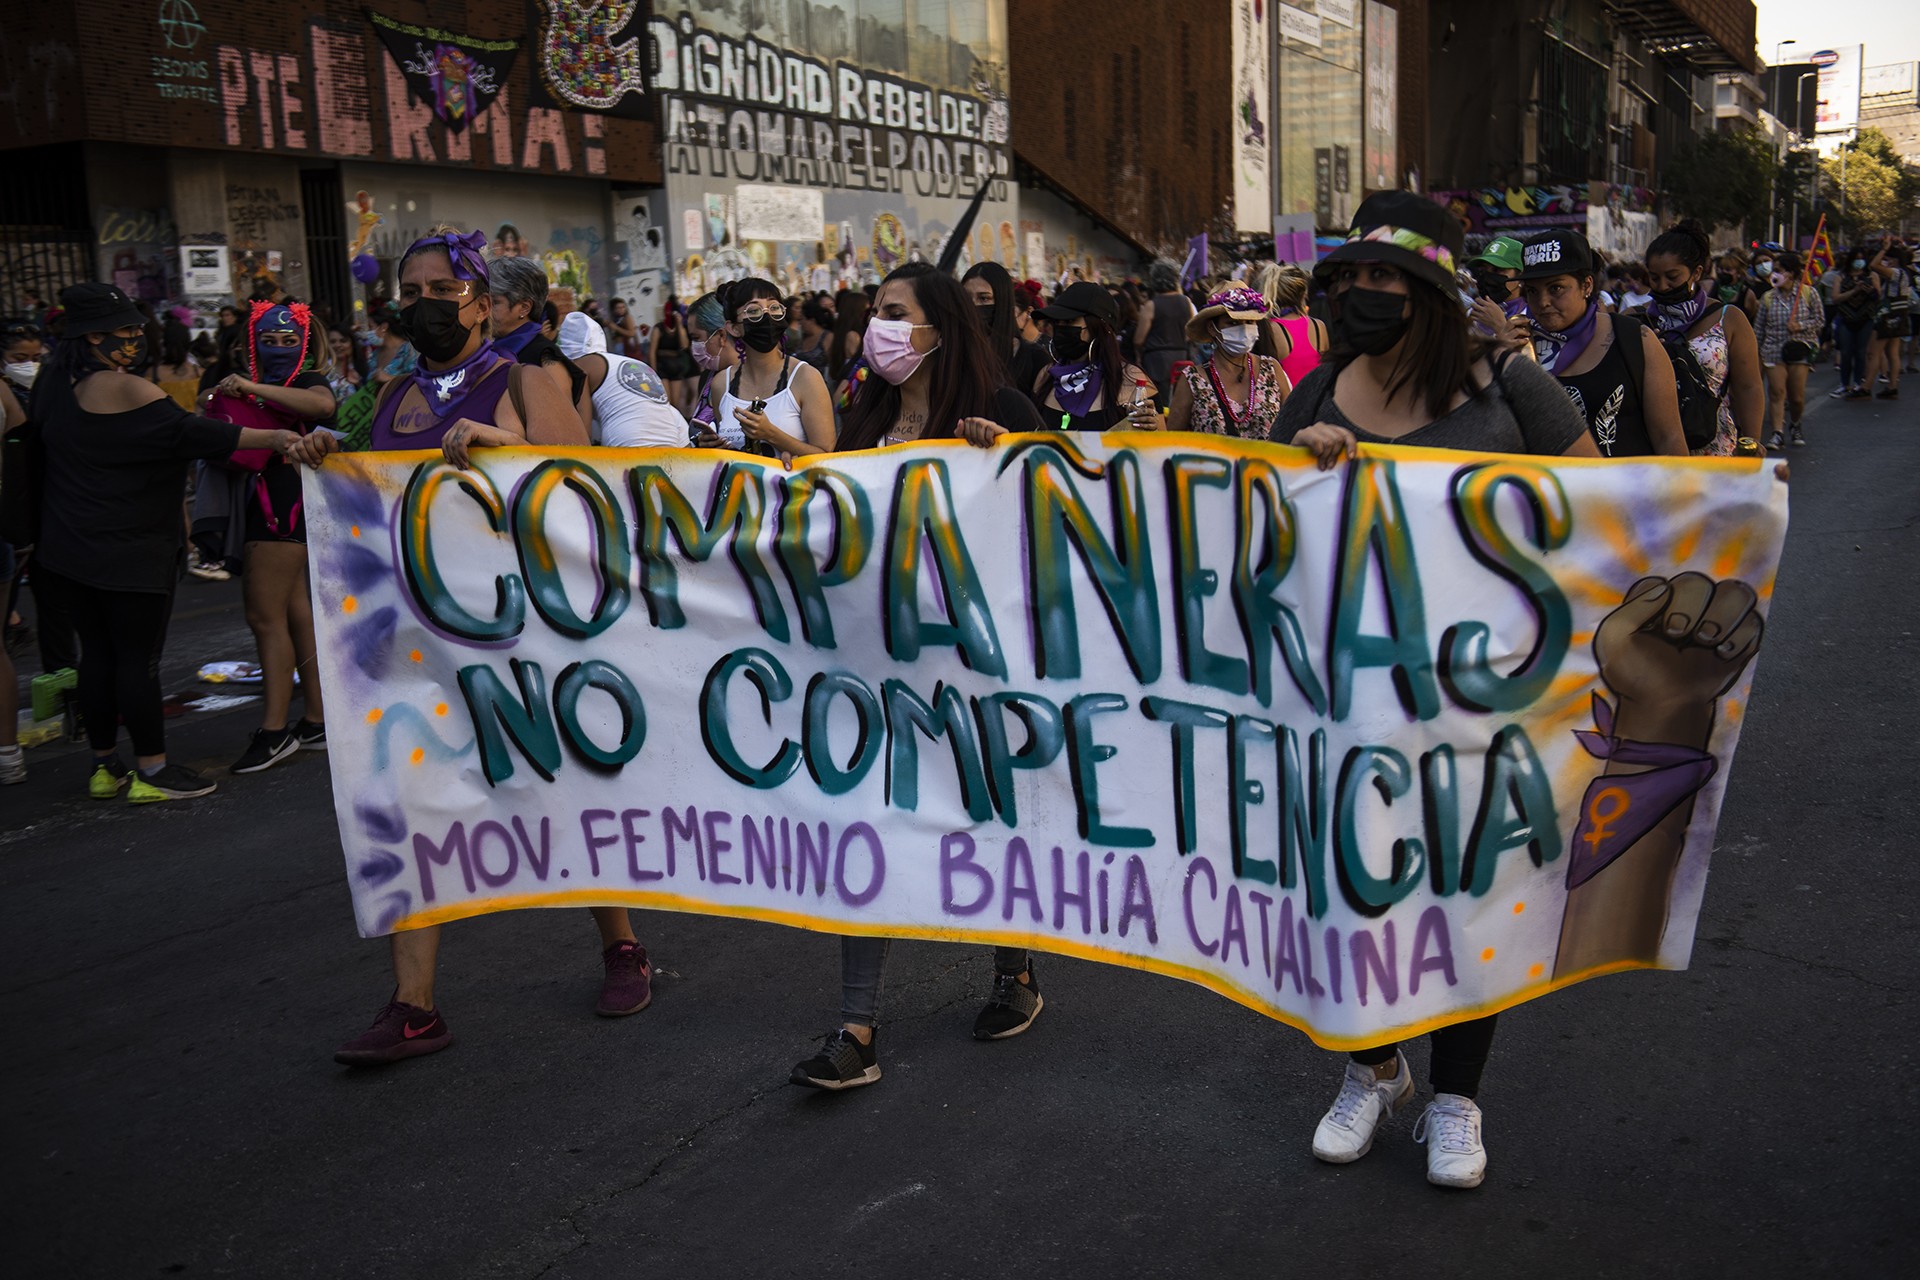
[180, 24]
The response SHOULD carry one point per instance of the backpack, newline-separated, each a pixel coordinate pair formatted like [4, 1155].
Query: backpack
[1699, 406]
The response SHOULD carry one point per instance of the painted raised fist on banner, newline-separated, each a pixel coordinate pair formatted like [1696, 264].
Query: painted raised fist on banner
[1668, 653]
[1678, 641]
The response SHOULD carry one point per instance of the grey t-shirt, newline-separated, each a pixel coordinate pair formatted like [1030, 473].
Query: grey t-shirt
[1524, 410]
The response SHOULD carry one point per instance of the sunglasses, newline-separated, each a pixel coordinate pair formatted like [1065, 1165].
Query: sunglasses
[21, 329]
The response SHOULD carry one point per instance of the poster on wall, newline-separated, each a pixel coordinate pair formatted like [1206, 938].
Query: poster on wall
[1381, 147]
[458, 76]
[590, 55]
[203, 270]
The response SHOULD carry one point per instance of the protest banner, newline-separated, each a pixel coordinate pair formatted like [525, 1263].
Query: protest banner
[1369, 750]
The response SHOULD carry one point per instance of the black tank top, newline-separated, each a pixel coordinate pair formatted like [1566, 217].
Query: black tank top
[1607, 398]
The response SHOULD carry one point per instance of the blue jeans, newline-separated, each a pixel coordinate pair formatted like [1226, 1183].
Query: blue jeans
[863, 971]
[1852, 342]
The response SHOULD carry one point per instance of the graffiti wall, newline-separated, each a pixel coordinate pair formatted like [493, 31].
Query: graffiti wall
[826, 144]
[337, 79]
[564, 225]
[1059, 243]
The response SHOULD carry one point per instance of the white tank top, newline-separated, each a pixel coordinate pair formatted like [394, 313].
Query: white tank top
[631, 410]
[781, 408]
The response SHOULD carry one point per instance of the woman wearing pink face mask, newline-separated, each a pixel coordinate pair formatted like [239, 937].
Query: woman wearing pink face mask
[713, 353]
[931, 373]
[932, 376]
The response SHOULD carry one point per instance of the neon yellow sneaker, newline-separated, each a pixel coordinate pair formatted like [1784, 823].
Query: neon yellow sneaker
[172, 782]
[110, 777]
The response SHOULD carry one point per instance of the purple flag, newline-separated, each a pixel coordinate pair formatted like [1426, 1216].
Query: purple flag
[1195, 266]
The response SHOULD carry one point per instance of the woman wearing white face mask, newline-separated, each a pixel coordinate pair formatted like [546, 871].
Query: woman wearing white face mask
[1236, 392]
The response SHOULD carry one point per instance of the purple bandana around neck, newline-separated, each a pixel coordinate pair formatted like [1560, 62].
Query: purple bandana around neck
[1077, 387]
[516, 342]
[446, 390]
[1562, 350]
[1679, 319]
[466, 252]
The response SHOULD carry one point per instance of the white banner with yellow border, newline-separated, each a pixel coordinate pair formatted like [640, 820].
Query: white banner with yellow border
[1368, 750]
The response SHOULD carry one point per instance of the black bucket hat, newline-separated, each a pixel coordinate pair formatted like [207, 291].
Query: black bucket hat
[1560, 252]
[1082, 298]
[1407, 231]
[97, 308]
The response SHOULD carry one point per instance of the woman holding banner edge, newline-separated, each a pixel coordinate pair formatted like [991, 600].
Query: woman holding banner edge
[465, 394]
[1405, 370]
[937, 378]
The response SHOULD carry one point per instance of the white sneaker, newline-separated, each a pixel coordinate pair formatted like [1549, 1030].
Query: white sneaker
[1346, 1131]
[1450, 1127]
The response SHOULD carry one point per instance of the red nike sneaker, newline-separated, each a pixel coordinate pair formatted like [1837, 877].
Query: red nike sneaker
[628, 986]
[401, 1031]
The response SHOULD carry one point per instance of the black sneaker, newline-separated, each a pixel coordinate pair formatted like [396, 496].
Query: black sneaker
[313, 737]
[170, 782]
[844, 1063]
[1011, 1008]
[1797, 437]
[268, 748]
[1891, 393]
[1776, 441]
[1858, 393]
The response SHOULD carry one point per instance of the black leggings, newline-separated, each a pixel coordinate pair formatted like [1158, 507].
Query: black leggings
[121, 635]
[1459, 1056]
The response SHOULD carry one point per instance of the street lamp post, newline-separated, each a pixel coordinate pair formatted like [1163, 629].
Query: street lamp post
[1776, 74]
[1799, 88]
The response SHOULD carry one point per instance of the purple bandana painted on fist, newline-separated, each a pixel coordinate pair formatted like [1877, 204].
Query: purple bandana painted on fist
[466, 252]
[1620, 808]
[1077, 387]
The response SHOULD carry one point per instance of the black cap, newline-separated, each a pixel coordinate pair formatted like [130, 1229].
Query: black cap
[1082, 298]
[1560, 252]
[1404, 230]
[97, 308]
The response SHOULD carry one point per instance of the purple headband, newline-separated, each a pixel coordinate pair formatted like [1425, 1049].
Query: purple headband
[463, 251]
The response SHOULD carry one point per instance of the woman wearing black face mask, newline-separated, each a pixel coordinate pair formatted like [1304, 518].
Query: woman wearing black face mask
[1718, 337]
[990, 289]
[781, 404]
[1406, 370]
[116, 450]
[1089, 386]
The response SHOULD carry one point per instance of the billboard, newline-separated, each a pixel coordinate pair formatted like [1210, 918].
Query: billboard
[1839, 69]
[1892, 85]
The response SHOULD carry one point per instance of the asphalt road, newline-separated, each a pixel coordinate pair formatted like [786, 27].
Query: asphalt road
[173, 980]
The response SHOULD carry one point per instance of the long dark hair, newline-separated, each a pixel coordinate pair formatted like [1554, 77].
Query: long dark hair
[962, 371]
[1437, 355]
[850, 311]
[1106, 351]
[1000, 323]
